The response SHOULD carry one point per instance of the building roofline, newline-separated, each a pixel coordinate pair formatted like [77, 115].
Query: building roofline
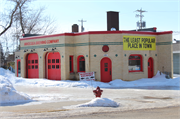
[98, 32]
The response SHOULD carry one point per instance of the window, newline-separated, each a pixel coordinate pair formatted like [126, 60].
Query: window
[57, 60]
[71, 68]
[19, 66]
[135, 63]
[36, 66]
[53, 60]
[36, 61]
[81, 63]
[57, 66]
[53, 66]
[49, 66]
[49, 60]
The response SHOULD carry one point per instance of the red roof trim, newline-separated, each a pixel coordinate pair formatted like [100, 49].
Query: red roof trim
[47, 36]
[99, 32]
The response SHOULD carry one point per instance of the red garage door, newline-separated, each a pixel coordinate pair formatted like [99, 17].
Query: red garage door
[53, 66]
[32, 66]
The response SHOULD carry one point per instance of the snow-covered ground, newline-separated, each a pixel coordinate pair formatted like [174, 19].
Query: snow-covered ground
[100, 102]
[8, 94]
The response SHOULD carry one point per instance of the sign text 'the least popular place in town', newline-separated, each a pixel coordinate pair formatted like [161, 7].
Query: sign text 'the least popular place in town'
[139, 43]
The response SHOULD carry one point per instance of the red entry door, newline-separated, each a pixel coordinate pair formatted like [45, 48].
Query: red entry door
[150, 68]
[53, 66]
[106, 70]
[32, 66]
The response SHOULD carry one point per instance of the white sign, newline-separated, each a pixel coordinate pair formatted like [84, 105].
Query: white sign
[106, 55]
[87, 76]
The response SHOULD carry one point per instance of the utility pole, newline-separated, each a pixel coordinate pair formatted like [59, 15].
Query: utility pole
[140, 23]
[82, 28]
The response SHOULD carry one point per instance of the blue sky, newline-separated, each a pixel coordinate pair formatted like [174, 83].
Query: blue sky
[163, 14]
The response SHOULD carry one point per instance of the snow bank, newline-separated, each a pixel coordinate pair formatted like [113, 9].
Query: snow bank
[100, 102]
[8, 94]
[158, 81]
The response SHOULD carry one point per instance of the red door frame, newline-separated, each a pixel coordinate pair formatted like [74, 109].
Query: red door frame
[106, 69]
[53, 68]
[150, 67]
[17, 65]
[32, 65]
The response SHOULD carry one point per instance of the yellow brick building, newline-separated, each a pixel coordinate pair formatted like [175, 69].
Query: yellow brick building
[126, 55]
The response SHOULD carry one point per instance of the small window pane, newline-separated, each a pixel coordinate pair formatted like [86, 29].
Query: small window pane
[29, 61]
[19, 65]
[36, 66]
[81, 59]
[136, 57]
[57, 60]
[53, 60]
[49, 66]
[49, 60]
[53, 66]
[32, 66]
[32, 61]
[70, 65]
[82, 66]
[105, 64]
[105, 69]
[36, 61]
[57, 66]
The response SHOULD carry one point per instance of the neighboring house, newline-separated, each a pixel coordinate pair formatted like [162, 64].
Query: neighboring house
[176, 57]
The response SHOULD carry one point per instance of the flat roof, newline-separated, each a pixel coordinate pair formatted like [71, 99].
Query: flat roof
[98, 32]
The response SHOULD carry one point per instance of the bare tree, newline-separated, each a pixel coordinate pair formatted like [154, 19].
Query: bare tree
[29, 20]
[19, 18]
[34, 22]
[10, 19]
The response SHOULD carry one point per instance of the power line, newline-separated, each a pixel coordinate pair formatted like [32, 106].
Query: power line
[163, 11]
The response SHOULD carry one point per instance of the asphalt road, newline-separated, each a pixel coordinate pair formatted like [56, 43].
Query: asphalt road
[161, 113]
[158, 113]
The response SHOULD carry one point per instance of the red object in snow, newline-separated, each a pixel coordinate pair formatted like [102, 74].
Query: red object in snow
[98, 92]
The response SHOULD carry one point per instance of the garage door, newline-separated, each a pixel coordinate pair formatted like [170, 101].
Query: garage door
[32, 66]
[176, 63]
[53, 66]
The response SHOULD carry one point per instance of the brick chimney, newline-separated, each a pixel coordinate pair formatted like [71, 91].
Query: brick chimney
[75, 28]
[112, 20]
